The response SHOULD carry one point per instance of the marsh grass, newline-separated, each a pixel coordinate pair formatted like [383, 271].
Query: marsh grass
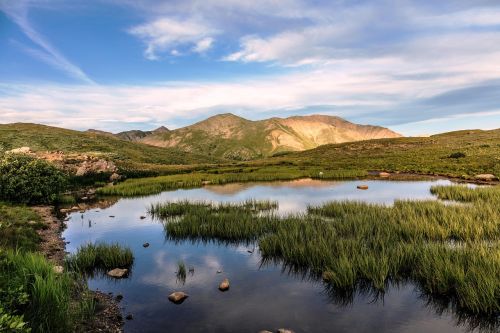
[99, 257]
[153, 185]
[450, 251]
[30, 286]
[181, 272]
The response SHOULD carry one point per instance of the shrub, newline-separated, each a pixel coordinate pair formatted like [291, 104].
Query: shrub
[26, 179]
[457, 155]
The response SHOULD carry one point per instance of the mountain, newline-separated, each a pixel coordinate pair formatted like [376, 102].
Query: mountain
[231, 137]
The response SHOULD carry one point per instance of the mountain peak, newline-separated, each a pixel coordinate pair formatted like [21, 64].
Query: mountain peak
[161, 129]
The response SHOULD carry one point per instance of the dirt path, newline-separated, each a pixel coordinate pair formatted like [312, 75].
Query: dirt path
[108, 318]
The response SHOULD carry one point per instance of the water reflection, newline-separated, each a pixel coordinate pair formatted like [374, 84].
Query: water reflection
[263, 295]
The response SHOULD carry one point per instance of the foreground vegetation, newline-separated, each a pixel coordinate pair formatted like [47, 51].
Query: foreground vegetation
[449, 251]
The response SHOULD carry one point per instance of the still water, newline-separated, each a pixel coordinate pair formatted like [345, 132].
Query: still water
[261, 296]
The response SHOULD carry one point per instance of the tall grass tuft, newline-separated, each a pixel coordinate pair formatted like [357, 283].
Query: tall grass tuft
[91, 257]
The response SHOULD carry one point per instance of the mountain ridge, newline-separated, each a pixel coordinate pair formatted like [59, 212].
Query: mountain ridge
[233, 137]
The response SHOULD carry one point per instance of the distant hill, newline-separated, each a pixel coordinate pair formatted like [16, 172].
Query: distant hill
[47, 138]
[231, 137]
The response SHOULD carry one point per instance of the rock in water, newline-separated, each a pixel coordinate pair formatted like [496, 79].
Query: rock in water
[224, 285]
[362, 187]
[118, 273]
[145, 245]
[177, 297]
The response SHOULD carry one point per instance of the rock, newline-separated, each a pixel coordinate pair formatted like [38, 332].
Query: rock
[32, 222]
[119, 297]
[384, 174]
[249, 251]
[112, 216]
[142, 217]
[284, 330]
[265, 331]
[129, 317]
[75, 208]
[145, 245]
[219, 271]
[191, 269]
[327, 276]
[22, 150]
[114, 177]
[486, 177]
[362, 187]
[224, 285]
[58, 269]
[118, 273]
[85, 198]
[64, 210]
[177, 297]
[206, 182]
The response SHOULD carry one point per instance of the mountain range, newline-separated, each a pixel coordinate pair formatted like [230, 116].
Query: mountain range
[228, 136]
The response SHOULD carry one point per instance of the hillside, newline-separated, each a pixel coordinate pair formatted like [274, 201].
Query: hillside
[457, 154]
[231, 137]
[46, 138]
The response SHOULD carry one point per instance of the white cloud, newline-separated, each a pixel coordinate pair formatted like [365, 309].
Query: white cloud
[203, 45]
[167, 34]
[17, 11]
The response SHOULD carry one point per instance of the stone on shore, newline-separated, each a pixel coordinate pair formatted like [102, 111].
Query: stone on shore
[118, 273]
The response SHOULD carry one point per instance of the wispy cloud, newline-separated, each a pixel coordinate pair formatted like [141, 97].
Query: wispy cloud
[17, 11]
[167, 35]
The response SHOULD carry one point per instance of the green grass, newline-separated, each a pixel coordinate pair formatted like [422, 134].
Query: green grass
[100, 256]
[18, 225]
[29, 287]
[448, 251]
[153, 185]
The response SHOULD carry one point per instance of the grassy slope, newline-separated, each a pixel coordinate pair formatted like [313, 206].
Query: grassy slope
[429, 155]
[43, 138]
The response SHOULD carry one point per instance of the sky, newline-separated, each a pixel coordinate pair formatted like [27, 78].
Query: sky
[416, 66]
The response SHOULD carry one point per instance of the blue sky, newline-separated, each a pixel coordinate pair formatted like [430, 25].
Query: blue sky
[418, 67]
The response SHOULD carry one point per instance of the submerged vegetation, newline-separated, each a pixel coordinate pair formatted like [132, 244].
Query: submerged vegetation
[449, 251]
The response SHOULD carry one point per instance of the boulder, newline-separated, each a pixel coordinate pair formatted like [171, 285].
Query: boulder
[206, 182]
[118, 273]
[284, 330]
[224, 285]
[142, 217]
[362, 187]
[384, 174]
[486, 177]
[129, 317]
[177, 297]
[145, 245]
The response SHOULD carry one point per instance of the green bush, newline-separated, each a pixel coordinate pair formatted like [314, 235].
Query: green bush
[26, 179]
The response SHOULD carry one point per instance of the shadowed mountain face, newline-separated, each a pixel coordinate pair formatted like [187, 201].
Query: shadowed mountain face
[232, 137]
